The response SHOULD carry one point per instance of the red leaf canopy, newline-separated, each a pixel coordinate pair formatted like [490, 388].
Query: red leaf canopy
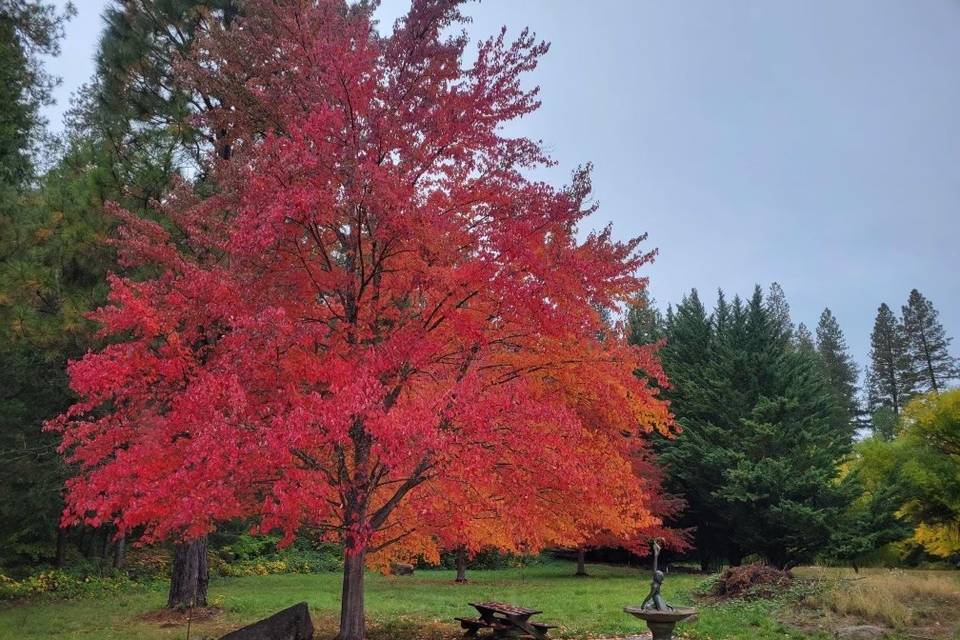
[374, 311]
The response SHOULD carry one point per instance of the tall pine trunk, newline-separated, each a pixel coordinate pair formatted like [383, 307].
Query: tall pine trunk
[351, 600]
[189, 576]
[461, 565]
[581, 562]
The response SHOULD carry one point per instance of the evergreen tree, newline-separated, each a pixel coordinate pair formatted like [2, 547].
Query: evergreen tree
[789, 444]
[695, 461]
[931, 364]
[779, 309]
[890, 381]
[838, 365]
[645, 323]
[32, 339]
[762, 434]
[29, 31]
[803, 339]
[143, 100]
[871, 522]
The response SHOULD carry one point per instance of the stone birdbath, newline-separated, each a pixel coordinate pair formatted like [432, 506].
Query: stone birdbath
[660, 617]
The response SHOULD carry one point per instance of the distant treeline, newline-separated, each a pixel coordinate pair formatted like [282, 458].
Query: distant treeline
[769, 459]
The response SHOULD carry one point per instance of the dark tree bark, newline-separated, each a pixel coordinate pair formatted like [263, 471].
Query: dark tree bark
[581, 562]
[104, 542]
[461, 565]
[351, 601]
[61, 559]
[190, 575]
[119, 552]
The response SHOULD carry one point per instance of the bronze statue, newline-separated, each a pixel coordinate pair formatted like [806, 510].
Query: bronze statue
[654, 600]
[660, 617]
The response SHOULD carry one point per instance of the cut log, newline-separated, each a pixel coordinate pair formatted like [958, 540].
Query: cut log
[290, 624]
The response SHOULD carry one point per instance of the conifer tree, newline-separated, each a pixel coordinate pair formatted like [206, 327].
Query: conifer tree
[890, 381]
[781, 489]
[762, 434]
[803, 339]
[696, 460]
[779, 309]
[29, 31]
[838, 364]
[645, 323]
[144, 99]
[930, 362]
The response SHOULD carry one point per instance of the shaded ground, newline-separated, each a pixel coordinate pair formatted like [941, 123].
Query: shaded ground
[419, 607]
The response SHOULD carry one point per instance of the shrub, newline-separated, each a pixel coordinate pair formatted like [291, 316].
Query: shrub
[61, 583]
[254, 558]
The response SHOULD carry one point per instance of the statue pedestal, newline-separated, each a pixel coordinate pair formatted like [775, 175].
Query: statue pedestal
[661, 623]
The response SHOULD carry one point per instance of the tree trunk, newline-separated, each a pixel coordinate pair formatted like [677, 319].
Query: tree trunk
[119, 551]
[351, 600]
[105, 544]
[61, 548]
[581, 562]
[461, 565]
[190, 575]
[926, 356]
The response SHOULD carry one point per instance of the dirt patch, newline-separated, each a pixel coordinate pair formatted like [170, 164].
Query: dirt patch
[178, 617]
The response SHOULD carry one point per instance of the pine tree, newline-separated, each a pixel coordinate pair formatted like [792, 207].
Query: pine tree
[696, 460]
[781, 490]
[803, 339]
[33, 340]
[931, 364]
[762, 433]
[838, 364]
[29, 30]
[779, 309]
[890, 382]
[645, 323]
[145, 101]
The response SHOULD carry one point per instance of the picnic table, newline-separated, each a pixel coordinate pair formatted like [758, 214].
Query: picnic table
[505, 621]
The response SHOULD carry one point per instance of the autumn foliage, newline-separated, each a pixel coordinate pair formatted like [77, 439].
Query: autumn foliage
[377, 327]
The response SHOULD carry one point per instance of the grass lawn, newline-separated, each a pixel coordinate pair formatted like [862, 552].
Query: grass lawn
[398, 608]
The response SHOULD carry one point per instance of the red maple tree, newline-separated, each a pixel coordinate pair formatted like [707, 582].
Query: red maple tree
[376, 308]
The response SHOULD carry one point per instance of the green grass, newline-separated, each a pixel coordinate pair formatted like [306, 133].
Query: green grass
[400, 608]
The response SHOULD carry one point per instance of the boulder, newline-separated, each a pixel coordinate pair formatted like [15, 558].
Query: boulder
[861, 632]
[290, 624]
[402, 569]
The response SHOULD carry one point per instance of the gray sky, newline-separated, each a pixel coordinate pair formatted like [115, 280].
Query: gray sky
[812, 143]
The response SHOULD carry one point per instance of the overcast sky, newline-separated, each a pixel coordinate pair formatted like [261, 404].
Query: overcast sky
[816, 144]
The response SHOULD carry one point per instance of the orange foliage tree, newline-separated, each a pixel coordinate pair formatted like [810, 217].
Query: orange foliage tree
[374, 313]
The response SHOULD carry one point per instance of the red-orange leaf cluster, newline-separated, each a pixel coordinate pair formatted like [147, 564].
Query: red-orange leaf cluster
[376, 317]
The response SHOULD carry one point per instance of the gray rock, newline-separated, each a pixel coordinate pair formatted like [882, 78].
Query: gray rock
[401, 569]
[861, 632]
[290, 624]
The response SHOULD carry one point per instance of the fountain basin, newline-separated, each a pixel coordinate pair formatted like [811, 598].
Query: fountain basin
[661, 623]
